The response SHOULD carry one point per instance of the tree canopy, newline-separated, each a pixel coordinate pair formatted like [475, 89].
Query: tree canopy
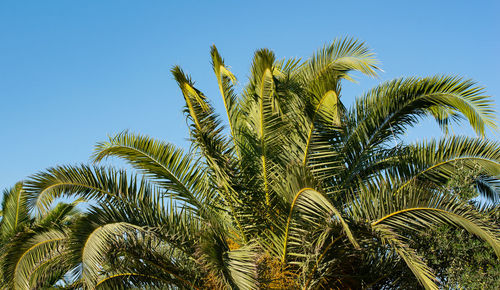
[299, 190]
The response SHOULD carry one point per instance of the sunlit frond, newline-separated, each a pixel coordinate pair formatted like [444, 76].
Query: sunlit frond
[169, 166]
[88, 182]
[15, 212]
[438, 161]
[226, 81]
[41, 249]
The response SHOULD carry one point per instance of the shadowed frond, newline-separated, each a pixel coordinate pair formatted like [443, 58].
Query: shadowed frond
[97, 244]
[423, 273]
[441, 210]
[489, 187]
[313, 208]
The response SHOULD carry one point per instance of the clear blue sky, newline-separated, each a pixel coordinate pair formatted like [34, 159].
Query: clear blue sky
[72, 72]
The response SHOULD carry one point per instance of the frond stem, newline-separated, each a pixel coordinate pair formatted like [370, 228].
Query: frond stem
[408, 210]
[262, 141]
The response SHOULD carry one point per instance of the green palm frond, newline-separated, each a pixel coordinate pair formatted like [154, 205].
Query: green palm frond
[207, 135]
[234, 269]
[263, 72]
[163, 162]
[226, 81]
[97, 244]
[31, 252]
[385, 112]
[399, 215]
[25, 254]
[118, 228]
[322, 74]
[438, 161]
[416, 264]
[58, 216]
[393, 106]
[489, 187]
[441, 210]
[242, 266]
[15, 211]
[418, 209]
[342, 55]
[313, 208]
[88, 182]
[200, 111]
[42, 249]
[325, 110]
[147, 252]
[267, 130]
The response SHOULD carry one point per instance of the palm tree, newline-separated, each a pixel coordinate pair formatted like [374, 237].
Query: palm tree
[298, 191]
[32, 249]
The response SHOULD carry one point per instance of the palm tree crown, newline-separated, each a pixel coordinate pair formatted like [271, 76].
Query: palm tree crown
[299, 191]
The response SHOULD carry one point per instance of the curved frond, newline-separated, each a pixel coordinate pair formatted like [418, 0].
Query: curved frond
[342, 55]
[88, 182]
[15, 212]
[163, 162]
[315, 209]
[393, 106]
[242, 265]
[42, 248]
[95, 247]
[438, 161]
[489, 187]
[423, 273]
[442, 211]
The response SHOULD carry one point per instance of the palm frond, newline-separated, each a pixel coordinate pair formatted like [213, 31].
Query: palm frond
[489, 187]
[207, 134]
[242, 265]
[438, 161]
[314, 208]
[226, 81]
[163, 162]
[97, 244]
[15, 212]
[342, 55]
[322, 74]
[98, 183]
[416, 264]
[42, 248]
[442, 210]
[393, 106]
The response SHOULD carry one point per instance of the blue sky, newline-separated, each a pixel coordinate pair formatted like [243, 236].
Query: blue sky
[73, 72]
